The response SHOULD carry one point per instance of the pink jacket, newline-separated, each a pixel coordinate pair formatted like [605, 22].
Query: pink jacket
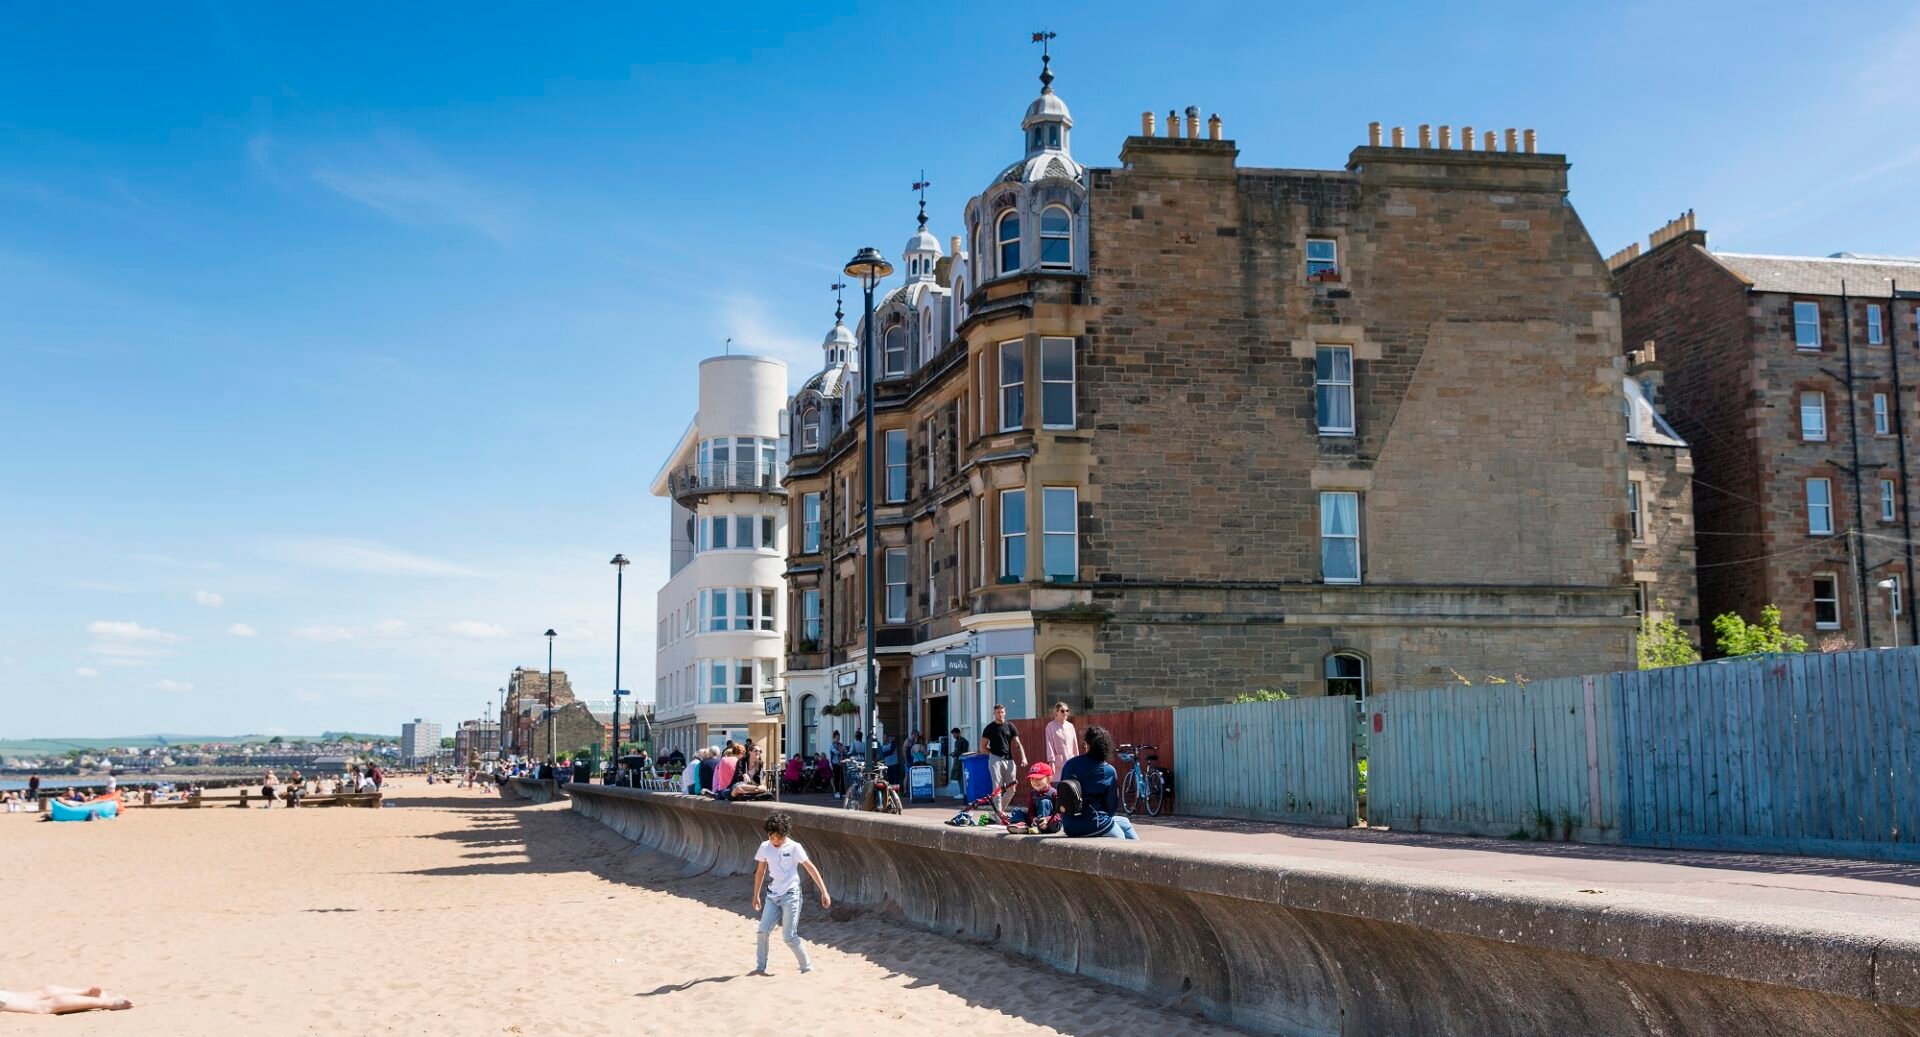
[1063, 742]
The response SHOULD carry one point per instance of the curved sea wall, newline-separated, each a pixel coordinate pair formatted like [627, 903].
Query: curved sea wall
[533, 790]
[1300, 947]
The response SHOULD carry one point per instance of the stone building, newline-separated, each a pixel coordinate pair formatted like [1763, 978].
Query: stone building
[475, 741]
[1659, 503]
[527, 703]
[1174, 431]
[576, 728]
[1791, 377]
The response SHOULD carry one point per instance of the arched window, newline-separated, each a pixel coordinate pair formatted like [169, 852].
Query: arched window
[927, 341]
[894, 354]
[959, 300]
[1009, 241]
[1062, 678]
[810, 428]
[809, 724]
[1346, 675]
[1056, 237]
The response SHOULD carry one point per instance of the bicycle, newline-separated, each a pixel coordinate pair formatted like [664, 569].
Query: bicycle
[870, 790]
[1144, 783]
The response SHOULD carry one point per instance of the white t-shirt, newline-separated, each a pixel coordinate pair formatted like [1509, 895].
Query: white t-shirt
[783, 865]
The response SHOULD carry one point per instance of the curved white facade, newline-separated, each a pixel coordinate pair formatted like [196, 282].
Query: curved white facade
[723, 610]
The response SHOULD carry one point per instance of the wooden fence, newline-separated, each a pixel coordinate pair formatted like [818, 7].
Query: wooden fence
[1284, 761]
[1539, 759]
[1814, 753]
[1139, 727]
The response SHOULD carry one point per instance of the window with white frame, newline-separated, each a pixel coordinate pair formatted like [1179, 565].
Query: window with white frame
[1333, 389]
[1806, 325]
[1826, 601]
[1819, 506]
[1874, 335]
[736, 608]
[893, 354]
[1013, 385]
[1340, 537]
[1056, 237]
[1060, 533]
[1640, 600]
[1346, 674]
[809, 522]
[1894, 598]
[1009, 238]
[1323, 258]
[810, 429]
[1881, 421]
[1636, 505]
[895, 441]
[1889, 508]
[1004, 679]
[736, 680]
[1813, 416]
[896, 574]
[765, 616]
[1013, 536]
[740, 461]
[1056, 383]
[810, 615]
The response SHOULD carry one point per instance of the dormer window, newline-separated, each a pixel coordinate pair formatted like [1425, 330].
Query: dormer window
[1009, 236]
[1056, 237]
[810, 429]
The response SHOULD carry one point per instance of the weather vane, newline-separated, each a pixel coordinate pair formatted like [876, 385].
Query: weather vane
[1045, 37]
[921, 186]
[838, 310]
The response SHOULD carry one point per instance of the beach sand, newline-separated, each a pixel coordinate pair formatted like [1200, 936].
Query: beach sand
[454, 912]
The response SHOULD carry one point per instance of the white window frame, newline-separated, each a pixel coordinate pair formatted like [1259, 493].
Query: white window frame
[810, 615]
[1358, 560]
[1332, 385]
[1014, 391]
[1882, 423]
[895, 574]
[888, 438]
[1820, 517]
[1896, 596]
[1045, 237]
[888, 352]
[1051, 534]
[1833, 581]
[1002, 242]
[1330, 262]
[810, 522]
[810, 428]
[1073, 400]
[1636, 504]
[1889, 501]
[1800, 308]
[1876, 335]
[1813, 405]
[1013, 542]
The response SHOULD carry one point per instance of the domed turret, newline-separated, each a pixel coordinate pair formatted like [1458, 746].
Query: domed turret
[1047, 124]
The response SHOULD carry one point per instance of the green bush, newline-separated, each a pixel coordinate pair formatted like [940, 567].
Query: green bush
[1738, 637]
[1264, 695]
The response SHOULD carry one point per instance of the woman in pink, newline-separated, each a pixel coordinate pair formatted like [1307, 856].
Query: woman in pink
[723, 772]
[1062, 741]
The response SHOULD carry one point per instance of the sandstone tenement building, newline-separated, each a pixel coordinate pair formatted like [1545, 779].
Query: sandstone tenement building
[1177, 430]
[1792, 378]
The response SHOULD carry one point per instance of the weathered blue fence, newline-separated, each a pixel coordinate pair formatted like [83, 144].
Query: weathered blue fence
[1538, 758]
[1281, 761]
[1790, 754]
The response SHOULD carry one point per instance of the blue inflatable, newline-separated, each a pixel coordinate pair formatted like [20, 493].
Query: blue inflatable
[64, 811]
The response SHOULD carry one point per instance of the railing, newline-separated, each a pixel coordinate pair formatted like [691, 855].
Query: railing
[699, 480]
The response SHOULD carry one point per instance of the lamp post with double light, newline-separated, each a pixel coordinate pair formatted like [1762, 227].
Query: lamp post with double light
[868, 267]
[553, 754]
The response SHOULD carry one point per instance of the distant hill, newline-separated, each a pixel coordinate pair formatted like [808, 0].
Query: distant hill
[40, 746]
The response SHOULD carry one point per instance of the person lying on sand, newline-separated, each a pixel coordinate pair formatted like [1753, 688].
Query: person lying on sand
[62, 1001]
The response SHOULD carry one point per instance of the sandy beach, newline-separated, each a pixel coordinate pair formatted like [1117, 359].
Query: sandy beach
[453, 912]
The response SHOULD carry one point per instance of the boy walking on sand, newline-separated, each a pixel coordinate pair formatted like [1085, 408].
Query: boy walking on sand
[778, 873]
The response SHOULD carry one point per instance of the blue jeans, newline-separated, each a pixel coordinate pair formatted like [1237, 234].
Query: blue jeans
[1122, 828]
[783, 910]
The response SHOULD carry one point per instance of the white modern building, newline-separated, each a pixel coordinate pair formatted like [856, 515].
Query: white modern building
[419, 741]
[723, 610]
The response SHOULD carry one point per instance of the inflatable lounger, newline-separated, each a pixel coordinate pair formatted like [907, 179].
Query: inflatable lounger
[64, 811]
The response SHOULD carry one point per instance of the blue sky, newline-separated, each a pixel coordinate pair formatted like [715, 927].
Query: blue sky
[339, 344]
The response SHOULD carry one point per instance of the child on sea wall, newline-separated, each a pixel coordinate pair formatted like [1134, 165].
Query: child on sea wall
[780, 861]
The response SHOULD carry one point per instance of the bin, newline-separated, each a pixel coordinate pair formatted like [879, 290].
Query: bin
[977, 772]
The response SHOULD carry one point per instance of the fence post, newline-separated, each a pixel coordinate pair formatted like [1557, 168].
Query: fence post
[1593, 754]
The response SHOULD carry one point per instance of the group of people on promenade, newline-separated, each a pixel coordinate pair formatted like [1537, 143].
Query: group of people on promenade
[1074, 790]
[734, 771]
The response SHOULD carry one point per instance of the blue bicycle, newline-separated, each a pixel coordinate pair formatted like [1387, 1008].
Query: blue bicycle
[1144, 784]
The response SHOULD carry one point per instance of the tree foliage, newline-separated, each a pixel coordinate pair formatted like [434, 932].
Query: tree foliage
[1736, 636]
[1662, 643]
[1264, 695]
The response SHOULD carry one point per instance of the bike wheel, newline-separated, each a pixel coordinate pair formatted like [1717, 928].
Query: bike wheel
[1130, 792]
[1156, 792]
[893, 802]
[850, 800]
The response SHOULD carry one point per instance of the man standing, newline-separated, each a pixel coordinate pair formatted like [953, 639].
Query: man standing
[33, 788]
[836, 757]
[1000, 739]
[956, 748]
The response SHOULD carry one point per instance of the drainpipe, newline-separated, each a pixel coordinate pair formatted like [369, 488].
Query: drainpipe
[1900, 442]
[1859, 514]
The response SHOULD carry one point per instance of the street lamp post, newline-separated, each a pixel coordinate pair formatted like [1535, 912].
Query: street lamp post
[619, 564]
[868, 267]
[552, 752]
[500, 735]
[1892, 587]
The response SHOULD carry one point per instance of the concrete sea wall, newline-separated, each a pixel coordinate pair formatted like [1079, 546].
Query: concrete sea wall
[533, 790]
[1300, 947]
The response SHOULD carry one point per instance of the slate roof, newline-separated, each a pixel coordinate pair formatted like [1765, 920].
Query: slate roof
[1865, 276]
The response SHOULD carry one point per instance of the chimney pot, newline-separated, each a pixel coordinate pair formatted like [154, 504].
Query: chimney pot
[1173, 124]
[1193, 123]
[1373, 135]
[1213, 127]
[1146, 124]
[1426, 135]
[1446, 137]
[1513, 139]
[1488, 140]
[1399, 136]
[1466, 138]
[1530, 139]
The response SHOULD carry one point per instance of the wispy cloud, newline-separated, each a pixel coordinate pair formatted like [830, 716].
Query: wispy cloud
[755, 331]
[208, 599]
[323, 633]
[129, 631]
[359, 556]
[241, 630]
[403, 180]
[171, 685]
[85, 671]
[476, 630]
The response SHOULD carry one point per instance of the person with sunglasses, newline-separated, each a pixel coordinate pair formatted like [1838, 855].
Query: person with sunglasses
[1062, 742]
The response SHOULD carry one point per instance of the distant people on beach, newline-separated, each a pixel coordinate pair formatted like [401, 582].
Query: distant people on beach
[779, 861]
[61, 1001]
[1099, 813]
[270, 788]
[14, 803]
[33, 787]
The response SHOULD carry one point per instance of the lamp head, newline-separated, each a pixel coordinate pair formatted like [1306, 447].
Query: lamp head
[620, 560]
[869, 267]
[1887, 584]
[550, 635]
